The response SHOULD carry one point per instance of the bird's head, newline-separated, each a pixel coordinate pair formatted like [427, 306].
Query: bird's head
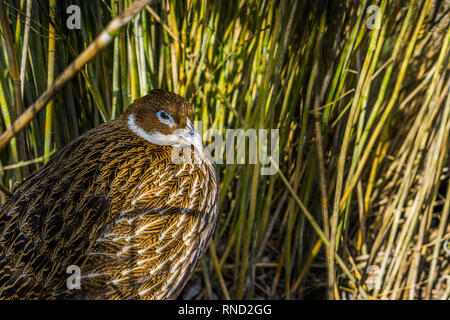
[163, 118]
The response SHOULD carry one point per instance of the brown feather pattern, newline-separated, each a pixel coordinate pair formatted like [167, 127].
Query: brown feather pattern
[115, 205]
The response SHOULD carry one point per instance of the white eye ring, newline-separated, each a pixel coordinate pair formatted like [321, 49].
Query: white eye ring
[164, 117]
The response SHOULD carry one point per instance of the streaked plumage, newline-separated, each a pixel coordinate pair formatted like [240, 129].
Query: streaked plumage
[115, 205]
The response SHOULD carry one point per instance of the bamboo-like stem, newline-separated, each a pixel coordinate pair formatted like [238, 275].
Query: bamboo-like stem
[26, 37]
[116, 71]
[15, 76]
[123, 63]
[50, 80]
[212, 249]
[7, 119]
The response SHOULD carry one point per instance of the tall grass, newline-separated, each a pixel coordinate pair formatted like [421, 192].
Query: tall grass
[359, 207]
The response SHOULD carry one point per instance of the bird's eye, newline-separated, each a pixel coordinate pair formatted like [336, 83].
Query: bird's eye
[163, 116]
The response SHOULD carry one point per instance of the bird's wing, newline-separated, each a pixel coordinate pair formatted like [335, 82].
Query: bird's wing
[48, 222]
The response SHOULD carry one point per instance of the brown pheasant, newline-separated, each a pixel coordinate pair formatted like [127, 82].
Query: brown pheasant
[119, 205]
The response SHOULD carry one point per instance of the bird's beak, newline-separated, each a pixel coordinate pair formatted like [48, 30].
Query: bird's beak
[191, 137]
